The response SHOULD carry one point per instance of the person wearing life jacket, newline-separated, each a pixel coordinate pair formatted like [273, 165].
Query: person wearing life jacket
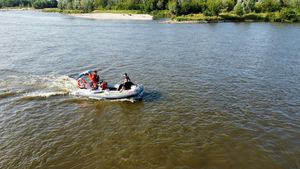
[95, 79]
[81, 83]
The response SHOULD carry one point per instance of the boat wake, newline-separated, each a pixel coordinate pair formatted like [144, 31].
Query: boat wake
[31, 86]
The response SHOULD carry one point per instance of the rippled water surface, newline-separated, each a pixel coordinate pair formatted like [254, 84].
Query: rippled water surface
[218, 96]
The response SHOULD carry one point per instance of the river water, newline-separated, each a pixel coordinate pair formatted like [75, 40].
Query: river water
[218, 96]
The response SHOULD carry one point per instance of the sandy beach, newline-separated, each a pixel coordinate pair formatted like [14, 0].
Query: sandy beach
[113, 16]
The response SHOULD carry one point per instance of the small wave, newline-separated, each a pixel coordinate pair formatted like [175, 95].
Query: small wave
[43, 94]
[132, 100]
[7, 94]
[10, 93]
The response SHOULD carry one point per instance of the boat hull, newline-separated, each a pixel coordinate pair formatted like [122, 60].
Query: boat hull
[136, 91]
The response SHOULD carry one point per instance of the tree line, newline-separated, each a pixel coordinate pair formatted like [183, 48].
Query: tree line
[181, 7]
[38, 4]
[175, 7]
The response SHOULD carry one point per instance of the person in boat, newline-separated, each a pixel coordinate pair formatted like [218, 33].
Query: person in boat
[127, 83]
[81, 83]
[95, 79]
[126, 78]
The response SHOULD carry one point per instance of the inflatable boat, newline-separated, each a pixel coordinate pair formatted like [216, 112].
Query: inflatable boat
[136, 91]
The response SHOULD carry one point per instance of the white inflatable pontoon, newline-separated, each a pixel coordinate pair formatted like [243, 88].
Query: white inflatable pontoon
[136, 91]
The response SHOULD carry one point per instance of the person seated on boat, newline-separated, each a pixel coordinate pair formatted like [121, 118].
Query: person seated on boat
[126, 78]
[81, 83]
[95, 79]
[127, 83]
[103, 85]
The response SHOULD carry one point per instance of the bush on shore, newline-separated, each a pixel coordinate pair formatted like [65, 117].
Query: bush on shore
[41, 4]
[197, 18]
[285, 15]
[289, 15]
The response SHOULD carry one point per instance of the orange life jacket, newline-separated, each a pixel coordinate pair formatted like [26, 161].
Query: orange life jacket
[95, 80]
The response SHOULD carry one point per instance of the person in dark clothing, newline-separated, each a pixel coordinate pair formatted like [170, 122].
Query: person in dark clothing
[126, 78]
[127, 83]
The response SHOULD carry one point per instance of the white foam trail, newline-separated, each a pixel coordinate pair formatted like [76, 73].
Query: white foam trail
[64, 83]
[43, 94]
[132, 100]
[39, 86]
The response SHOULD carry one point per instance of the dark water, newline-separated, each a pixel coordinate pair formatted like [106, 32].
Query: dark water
[221, 96]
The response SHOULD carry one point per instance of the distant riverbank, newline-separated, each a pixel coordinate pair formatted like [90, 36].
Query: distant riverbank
[193, 11]
[285, 15]
[282, 16]
[113, 14]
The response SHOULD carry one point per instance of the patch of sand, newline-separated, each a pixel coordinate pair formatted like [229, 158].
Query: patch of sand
[113, 16]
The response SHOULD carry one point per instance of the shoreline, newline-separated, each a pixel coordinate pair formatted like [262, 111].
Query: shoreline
[207, 22]
[113, 16]
[18, 9]
[189, 22]
[182, 19]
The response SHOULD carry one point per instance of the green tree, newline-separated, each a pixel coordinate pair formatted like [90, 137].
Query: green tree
[63, 4]
[101, 3]
[76, 4]
[229, 5]
[295, 3]
[192, 6]
[40, 4]
[248, 5]
[161, 4]
[149, 5]
[87, 5]
[53, 4]
[288, 14]
[174, 7]
[238, 9]
[214, 6]
[267, 6]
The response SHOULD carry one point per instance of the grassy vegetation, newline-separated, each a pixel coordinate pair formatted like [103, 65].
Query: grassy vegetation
[67, 11]
[197, 18]
[259, 17]
[159, 14]
[51, 10]
[285, 15]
